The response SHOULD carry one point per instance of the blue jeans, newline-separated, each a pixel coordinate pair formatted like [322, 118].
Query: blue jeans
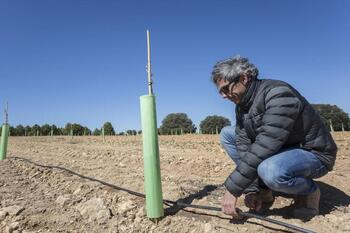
[289, 171]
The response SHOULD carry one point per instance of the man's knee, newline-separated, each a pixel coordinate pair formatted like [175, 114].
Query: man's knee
[227, 135]
[273, 175]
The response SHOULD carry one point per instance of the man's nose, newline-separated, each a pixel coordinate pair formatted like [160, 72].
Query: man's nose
[224, 95]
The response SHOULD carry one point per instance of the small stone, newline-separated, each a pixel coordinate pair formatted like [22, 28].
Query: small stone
[122, 228]
[8, 230]
[137, 219]
[332, 218]
[94, 209]
[208, 228]
[141, 212]
[13, 210]
[217, 169]
[63, 200]
[167, 221]
[77, 191]
[3, 215]
[122, 165]
[126, 206]
[19, 218]
[12, 227]
[347, 209]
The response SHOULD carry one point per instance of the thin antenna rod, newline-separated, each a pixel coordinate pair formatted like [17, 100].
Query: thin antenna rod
[6, 113]
[149, 72]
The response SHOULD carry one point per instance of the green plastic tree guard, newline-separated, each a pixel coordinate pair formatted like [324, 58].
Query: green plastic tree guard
[153, 186]
[4, 139]
[103, 133]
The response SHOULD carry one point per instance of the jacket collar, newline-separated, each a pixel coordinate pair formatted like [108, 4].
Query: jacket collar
[248, 97]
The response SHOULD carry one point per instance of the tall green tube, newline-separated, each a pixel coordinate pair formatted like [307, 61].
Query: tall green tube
[4, 139]
[103, 133]
[153, 185]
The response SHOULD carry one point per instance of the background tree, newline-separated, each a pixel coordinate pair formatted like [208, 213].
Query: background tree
[12, 131]
[19, 130]
[96, 132]
[87, 131]
[27, 130]
[34, 130]
[56, 131]
[77, 129]
[45, 130]
[335, 114]
[212, 123]
[177, 122]
[109, 130]
[131, 132]
[67, 128]
[60, 131]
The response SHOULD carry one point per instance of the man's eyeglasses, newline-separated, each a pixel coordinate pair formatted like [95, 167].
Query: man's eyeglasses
[226, 88]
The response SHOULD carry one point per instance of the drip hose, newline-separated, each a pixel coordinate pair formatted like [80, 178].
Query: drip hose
[169, 202]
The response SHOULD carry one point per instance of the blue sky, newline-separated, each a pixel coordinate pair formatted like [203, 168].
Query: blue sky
[84, 60]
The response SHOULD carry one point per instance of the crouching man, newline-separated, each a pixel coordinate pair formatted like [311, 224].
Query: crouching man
[279, 142]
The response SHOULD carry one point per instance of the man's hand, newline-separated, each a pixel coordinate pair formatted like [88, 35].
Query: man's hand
[253, 201]
[228, 204]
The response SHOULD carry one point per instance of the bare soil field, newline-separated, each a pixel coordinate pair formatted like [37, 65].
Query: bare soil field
[52, 184]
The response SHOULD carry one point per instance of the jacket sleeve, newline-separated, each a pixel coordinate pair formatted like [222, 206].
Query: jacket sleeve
[282, 108]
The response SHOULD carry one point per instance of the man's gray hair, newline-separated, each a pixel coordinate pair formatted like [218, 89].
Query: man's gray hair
[233, 67]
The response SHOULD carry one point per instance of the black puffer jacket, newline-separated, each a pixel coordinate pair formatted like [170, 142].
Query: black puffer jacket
[271, 116]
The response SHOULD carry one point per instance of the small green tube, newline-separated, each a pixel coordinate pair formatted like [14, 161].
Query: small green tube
[103, 133]
[4, 139]
[153, 185]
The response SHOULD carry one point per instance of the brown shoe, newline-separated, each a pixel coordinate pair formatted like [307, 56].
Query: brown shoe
[266, 196]
[260, 201]
[307, 206]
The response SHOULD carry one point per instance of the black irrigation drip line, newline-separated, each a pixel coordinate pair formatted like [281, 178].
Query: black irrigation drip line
[246, 215]
[173, 203]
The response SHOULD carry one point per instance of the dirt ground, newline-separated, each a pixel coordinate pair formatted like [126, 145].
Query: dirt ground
[35, 198]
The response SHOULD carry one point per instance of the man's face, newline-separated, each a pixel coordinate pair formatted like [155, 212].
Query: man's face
[233, 91]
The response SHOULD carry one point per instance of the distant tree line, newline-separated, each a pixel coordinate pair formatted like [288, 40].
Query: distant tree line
[179, 123]
[176, 123]
[69, 129]
[333, 116]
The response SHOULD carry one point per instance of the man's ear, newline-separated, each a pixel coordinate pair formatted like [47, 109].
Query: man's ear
[244, 80]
